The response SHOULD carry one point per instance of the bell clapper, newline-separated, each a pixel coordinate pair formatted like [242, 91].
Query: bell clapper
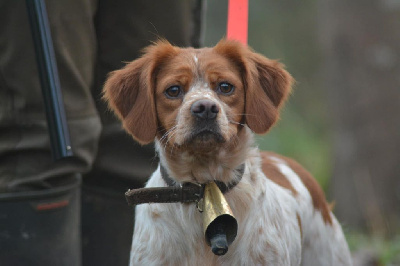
[217, 236]
[219, 224]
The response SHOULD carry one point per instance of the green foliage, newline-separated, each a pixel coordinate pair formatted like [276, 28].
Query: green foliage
[293, 137]
[386, 250]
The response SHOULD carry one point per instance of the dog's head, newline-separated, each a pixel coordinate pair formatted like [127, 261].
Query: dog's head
[197, 98]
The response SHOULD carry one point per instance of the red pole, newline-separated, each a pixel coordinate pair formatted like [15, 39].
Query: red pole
[237, 20]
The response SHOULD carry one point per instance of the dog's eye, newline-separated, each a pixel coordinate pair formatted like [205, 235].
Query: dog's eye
[225, 88]
[173, 92]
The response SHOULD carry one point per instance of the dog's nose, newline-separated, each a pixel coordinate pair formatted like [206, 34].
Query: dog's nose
[204, 109]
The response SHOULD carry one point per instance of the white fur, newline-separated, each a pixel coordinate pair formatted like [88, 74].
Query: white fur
[317, 250]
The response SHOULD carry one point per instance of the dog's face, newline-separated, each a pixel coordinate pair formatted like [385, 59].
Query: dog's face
[197, 98]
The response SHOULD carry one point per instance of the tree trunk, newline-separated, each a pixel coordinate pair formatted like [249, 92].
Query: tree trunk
[361, 48]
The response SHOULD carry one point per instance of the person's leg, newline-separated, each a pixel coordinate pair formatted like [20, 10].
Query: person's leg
[30, 182]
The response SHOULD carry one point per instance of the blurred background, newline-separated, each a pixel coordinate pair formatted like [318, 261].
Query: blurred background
[342, 121]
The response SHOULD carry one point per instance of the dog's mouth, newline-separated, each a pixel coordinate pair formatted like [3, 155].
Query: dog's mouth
[204, 138]
[207, 136]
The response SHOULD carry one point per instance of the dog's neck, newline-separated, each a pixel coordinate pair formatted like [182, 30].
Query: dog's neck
[221, 185]
[219, 164]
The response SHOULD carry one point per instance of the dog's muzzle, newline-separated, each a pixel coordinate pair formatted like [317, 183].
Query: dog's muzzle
[205, 128]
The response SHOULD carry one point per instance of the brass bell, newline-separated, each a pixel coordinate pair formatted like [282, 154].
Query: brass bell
[219, 224]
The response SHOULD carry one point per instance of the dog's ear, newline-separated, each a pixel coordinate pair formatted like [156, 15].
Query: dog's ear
[267, 84]
[130, 92]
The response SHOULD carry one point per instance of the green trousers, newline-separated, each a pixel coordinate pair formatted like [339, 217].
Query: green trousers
[91, 38]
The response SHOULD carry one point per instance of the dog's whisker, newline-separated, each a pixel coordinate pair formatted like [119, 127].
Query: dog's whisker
[172, 133]
[237, 123]
[244, 114]
[166, 134]
[166, 138]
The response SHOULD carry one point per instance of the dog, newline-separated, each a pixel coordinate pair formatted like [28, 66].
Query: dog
[202, 108]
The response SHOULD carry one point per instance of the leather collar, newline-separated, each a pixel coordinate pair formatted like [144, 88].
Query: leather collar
[186, 192]
[221, 185]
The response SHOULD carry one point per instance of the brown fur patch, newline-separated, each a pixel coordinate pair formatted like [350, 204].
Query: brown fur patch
[272, 172]
[130, 91]
[300, 226]
[155, 214]
[267, 84]
[315, 190]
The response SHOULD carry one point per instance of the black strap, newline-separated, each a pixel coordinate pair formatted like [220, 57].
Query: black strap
[221, 185]
[186, 192]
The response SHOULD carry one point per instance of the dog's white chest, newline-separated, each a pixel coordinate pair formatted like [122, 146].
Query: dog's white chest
[172, 234]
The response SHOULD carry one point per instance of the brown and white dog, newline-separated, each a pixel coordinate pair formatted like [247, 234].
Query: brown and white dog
[201, 106]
